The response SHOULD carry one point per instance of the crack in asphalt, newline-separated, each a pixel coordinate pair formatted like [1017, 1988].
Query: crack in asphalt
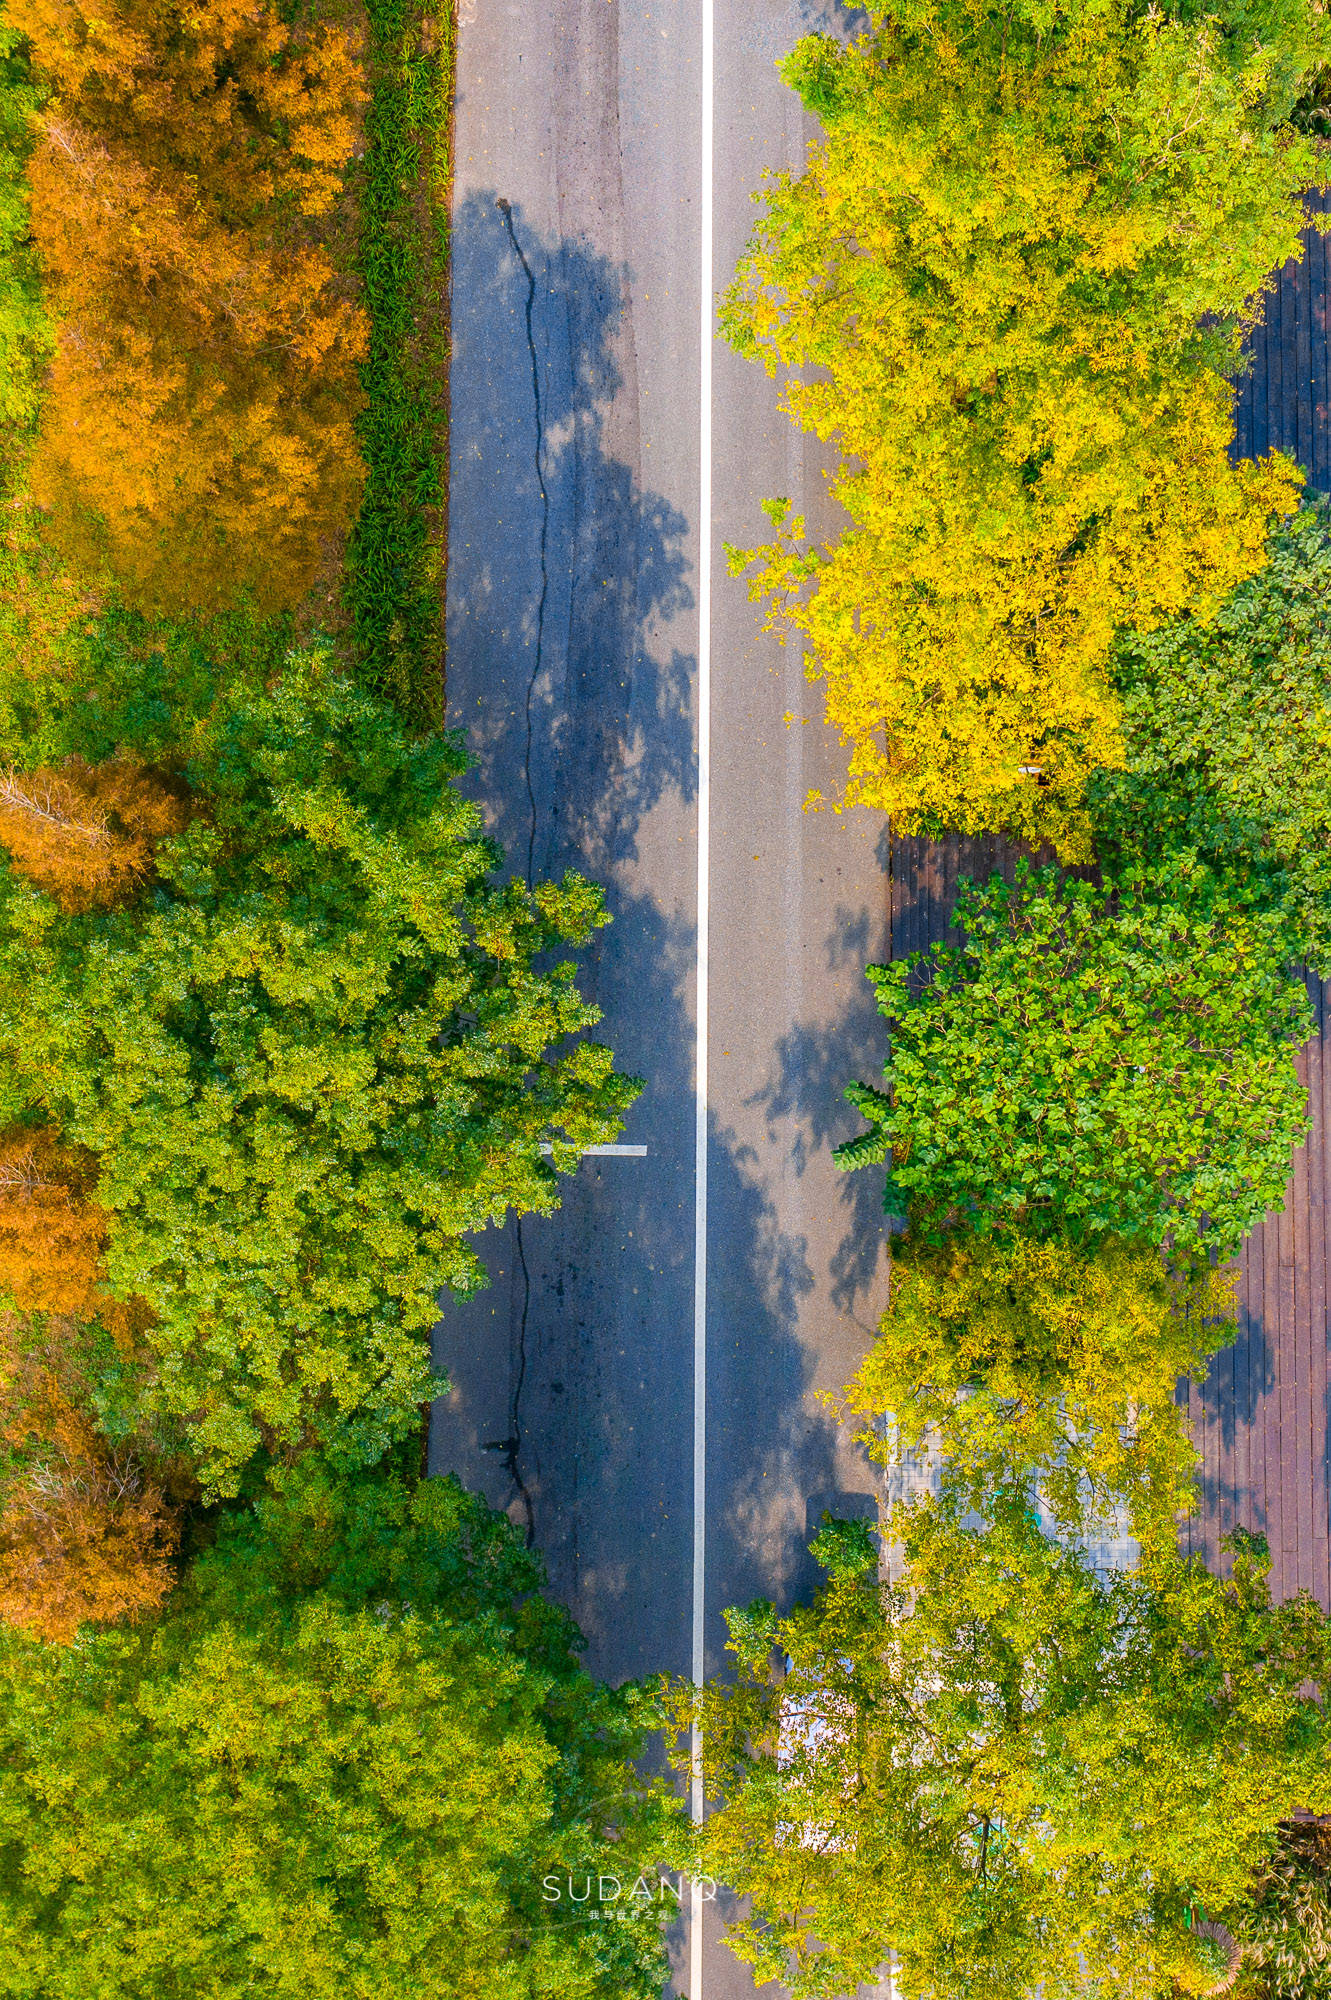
[515, 1407]
[510, 1447]
[506, 210]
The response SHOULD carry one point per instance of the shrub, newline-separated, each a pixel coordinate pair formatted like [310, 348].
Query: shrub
[396, 585]
[1285, 1924]
[83, 678]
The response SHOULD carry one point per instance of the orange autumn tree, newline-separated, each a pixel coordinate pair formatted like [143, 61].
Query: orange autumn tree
[52, 1233]
[197, 433]
[86, 1535]
[85, 834]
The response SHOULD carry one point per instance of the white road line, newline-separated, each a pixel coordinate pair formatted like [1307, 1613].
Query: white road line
[598, 1152]
[704, 844]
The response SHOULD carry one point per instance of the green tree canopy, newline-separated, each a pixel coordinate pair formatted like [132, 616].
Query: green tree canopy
[325, 1048]
[338, 1768]
[26, 334]
[1227, 727]
[1019, 1777]
[1007, 288]
[1044, 1365]
[1095, 1061]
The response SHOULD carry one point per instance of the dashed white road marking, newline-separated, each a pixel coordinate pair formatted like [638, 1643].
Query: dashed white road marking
[589, 1152]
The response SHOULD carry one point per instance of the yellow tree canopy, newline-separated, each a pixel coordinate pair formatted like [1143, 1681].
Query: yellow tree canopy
[1009, 287]
[1046, 1365]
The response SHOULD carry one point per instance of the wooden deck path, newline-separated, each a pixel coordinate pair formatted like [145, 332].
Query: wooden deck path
[1260, 1420]
[1284, 403]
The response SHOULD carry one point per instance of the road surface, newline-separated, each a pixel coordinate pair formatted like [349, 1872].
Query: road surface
[591, 622]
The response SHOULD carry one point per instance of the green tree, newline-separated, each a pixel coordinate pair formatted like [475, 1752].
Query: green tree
[324, 1050]
[1047, 1366]
[1095, 1061]
[1019, 1777]
[339, 1767]
[81, 676]
[26, 334]
[1007, 289]
[1227, 725]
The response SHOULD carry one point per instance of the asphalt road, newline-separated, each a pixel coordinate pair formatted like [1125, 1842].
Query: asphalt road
[577, 665]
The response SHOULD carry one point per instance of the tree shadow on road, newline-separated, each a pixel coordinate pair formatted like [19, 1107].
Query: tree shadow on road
[565, 572]
[806, 1091]
[772, 33]
[570, 672]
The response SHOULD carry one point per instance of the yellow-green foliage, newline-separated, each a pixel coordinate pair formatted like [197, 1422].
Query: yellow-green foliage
[44, 610]
[1017, 266]
[1044, 1362]
[1021, 1777]
[336, 1767]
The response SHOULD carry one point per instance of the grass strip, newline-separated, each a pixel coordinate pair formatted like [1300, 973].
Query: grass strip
[396, 566]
